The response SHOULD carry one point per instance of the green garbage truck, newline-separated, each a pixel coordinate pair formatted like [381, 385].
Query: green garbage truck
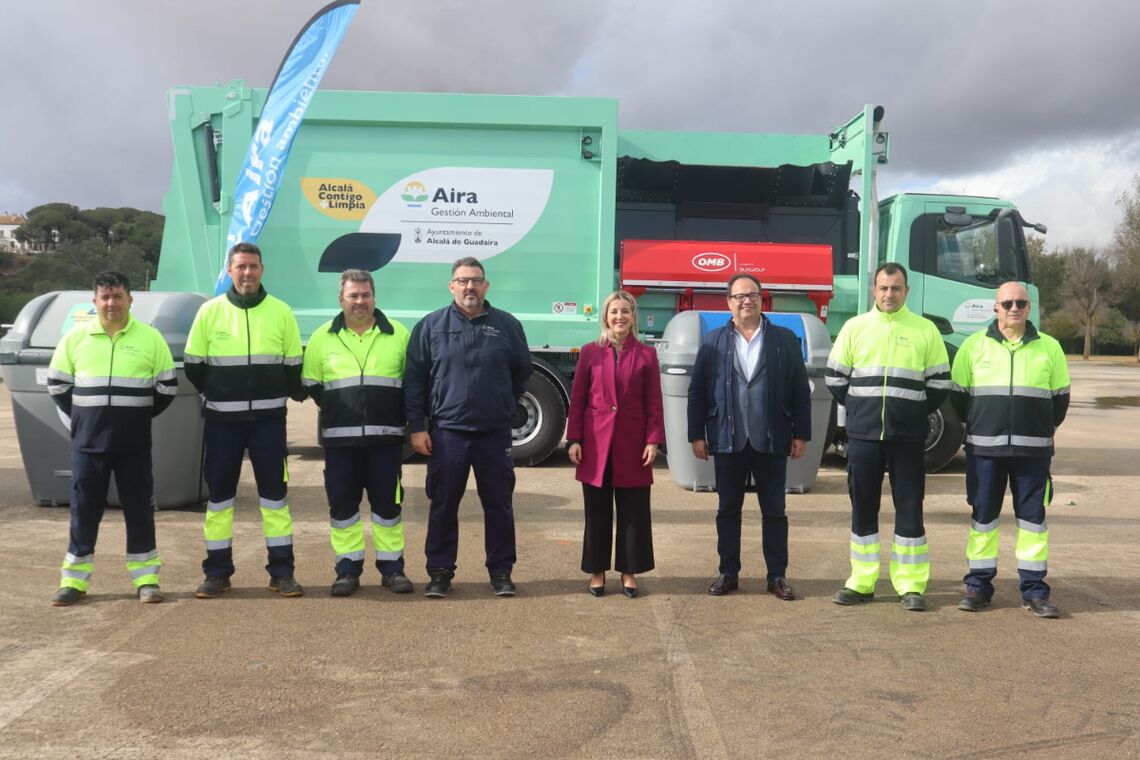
[548, 192]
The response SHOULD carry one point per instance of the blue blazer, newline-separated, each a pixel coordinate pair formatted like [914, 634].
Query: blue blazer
[712, 389]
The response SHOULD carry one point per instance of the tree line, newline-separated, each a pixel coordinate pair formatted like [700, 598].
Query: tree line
[1090, 297]
[72, 246]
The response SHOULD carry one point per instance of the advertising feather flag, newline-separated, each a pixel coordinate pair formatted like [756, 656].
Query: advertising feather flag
[294, 85]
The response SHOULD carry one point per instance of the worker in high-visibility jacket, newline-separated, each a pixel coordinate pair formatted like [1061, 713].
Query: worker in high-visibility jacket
[109, 376]
[890, 368]
[1011, 386]
[354, 370]
[244, 356]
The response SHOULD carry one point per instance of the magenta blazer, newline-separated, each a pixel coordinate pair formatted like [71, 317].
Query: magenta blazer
[615, 412]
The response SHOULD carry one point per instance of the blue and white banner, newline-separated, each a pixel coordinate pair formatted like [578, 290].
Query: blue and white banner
[289, 96]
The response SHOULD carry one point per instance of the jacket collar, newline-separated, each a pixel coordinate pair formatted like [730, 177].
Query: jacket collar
[487, 309]
[95, 327]
[1030, 332]
[901, 313]
[246, 302]
[382, 323]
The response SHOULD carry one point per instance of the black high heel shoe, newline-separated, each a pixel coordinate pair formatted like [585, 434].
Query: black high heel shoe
[630, 591]
[598, 590]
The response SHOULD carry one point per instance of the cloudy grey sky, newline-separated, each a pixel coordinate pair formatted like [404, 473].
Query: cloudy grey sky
[1034, 101]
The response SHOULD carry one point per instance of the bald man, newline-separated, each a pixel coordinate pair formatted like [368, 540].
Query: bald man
[1011, 386]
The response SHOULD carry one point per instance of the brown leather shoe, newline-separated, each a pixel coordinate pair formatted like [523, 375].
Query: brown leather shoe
[779, 587]
[724, 584]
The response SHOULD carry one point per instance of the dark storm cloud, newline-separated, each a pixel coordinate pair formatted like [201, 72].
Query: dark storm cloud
[967, 86]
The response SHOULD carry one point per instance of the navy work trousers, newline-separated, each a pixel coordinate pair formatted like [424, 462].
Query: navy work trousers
[455, 453]
[1031, 487]
[769, 474]
[90, 480]
[226, 446]
[904, 462]
[352, 471]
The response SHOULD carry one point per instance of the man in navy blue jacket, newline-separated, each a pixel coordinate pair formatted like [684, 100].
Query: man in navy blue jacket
[467, 367]
[750, 407]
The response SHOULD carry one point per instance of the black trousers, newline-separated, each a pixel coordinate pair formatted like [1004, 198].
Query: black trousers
[634, 552]
[769, 474]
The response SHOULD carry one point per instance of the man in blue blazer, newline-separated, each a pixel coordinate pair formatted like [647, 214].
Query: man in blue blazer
[750, 407]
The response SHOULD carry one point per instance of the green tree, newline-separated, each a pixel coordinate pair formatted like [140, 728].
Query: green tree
[63, 223]
[1126, 249]
[1089, 291]
[1048, 272]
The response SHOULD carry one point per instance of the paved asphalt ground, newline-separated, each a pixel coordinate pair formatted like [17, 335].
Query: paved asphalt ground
[555, 673]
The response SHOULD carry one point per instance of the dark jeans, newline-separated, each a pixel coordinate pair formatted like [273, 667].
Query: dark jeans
[634, 552]
[90, 479]
[1031, 487]
[226, 445]
[769, 474]
[455, 453]
[867, 461]
[352, 471]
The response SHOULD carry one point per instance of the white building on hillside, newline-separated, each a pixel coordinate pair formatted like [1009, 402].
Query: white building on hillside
[8, 225]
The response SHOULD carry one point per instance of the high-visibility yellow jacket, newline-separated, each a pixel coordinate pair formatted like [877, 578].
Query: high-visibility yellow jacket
[890, 370]
[1011, 395]
[111, 387]
[357, 381]
[244, 355]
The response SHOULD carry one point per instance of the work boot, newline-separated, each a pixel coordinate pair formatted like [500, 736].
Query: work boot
[973, 601]
[439, 584]
[66, 596]
[344, 585]
[398, 582]
[1041, 607]
[849, 596]
[211, 587]
[286, 586]
[501, 585]
[914, 602]
[149, 594]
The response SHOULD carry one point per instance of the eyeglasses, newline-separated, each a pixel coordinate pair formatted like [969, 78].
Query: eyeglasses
[1007, 305]
[742, 297]
[465, 281]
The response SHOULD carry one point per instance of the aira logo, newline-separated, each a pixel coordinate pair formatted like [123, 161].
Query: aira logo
[414, 194]
[711, 261]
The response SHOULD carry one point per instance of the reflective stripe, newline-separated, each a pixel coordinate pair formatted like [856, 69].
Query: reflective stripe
[834, 380]
[57, 390]
[910, 559]
[273, 503]
[1023, 564]
[902, 541]
[938, 384]
[59, 374]
[870, 391]
[309, 382]
[342, 524]
[144, 571]
[124, 382]
[1031, 392]
[987, 440]
[165, 376]
[144, 557]
[225, 361]
[193, 359]
[267, 359]
[218, 506]
[1062, 391]
[389, 556]
[1029, 440]
[938, 369]
[79, 575]
[983, 564]
[1031, 527]
[357, 556]
[279, 540]
[357, 381]
[242, 406]
[105, 400]
[166, 390]
[984, 527]
[842, 369]
[899, 372]
[221, 543]
[385, 521]
[357, 430]
[1025, 391]
[865, 556]
[291, 361]
[865, 540]
[71, 559]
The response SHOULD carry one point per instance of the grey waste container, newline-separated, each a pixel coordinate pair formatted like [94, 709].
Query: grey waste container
[25, 353]
[677, 353]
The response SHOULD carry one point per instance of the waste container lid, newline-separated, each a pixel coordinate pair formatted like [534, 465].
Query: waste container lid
[711, 320]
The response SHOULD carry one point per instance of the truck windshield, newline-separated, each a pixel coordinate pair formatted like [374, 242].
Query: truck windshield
[970, 253]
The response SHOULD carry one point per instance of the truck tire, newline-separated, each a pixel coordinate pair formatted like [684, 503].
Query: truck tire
[944, 437]
[539, 422]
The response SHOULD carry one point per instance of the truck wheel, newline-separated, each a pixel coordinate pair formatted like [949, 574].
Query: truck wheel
[539, 422]
[944, 437]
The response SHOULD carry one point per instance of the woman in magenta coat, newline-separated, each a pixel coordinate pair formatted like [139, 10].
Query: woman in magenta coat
[614, 427]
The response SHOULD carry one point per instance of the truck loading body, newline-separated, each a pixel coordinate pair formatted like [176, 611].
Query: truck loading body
[562, 207]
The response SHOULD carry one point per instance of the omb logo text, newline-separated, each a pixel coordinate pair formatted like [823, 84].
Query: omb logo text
[711, 262]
